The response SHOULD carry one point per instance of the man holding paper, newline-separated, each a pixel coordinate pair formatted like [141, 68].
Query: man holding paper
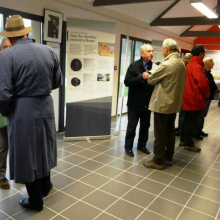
[139, 94]
[166, 101]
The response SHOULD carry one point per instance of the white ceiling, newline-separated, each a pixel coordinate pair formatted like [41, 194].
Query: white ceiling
[148, 12]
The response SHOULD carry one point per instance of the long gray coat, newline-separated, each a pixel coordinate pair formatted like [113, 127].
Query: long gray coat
[28, 73]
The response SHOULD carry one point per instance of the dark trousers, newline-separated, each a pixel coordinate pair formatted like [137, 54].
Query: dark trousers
[133, 117]
[181, 116]
[37, 189]
[3, 151]
[164, 131]
[188, 127]
[200, 122]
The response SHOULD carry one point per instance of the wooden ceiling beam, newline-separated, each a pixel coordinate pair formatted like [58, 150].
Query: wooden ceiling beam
[97, 3]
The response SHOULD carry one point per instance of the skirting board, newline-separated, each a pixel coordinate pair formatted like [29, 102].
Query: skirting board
[83, 138]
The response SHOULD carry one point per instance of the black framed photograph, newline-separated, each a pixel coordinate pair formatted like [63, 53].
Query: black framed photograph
[53, 22]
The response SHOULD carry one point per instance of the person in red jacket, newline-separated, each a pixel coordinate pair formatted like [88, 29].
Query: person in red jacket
[195, 92]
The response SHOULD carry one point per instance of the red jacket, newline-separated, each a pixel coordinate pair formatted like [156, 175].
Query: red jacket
[196, 87]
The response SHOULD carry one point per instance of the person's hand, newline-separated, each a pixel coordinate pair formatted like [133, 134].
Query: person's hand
[216, 92]
[145, 75]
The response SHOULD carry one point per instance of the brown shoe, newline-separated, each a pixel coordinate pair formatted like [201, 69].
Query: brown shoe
[193, 148]
[4, 184]
[151, 164]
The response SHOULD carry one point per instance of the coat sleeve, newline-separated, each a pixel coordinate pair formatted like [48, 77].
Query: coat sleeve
[157, 75]
[6, 84]
[131, 78]
[57, 74]
[203, 82]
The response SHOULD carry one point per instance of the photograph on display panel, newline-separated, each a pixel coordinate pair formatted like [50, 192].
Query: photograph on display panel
[53, 22]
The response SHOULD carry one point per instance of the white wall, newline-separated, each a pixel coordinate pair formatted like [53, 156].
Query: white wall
[84, 9]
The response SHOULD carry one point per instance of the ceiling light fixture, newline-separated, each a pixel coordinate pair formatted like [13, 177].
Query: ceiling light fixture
[203, 8]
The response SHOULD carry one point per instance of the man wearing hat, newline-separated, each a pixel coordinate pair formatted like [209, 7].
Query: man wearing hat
[28, 73]
[195, 92]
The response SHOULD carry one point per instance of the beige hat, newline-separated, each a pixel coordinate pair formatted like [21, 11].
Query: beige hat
[15, 27]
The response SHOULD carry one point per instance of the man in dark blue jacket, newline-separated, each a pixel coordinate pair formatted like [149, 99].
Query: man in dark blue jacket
[208, 65]
[139, 95]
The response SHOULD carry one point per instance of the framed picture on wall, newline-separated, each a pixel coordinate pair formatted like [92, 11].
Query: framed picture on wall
[53, 22]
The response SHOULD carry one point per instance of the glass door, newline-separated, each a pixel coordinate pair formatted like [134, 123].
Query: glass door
[133, 55]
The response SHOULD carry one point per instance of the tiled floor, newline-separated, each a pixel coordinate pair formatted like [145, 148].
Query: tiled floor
[98, 181]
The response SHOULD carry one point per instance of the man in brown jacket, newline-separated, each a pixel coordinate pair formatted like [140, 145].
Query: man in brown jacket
[166, 101]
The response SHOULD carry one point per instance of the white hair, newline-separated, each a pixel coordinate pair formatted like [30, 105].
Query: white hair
[144, 47]
[3, 39]
[171, 44]
[207, 60]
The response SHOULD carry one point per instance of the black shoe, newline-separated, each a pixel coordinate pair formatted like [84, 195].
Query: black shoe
[25, 203]
[144, 150]
[198, 137]
[46, 194]
[129, 152]
[203, 134]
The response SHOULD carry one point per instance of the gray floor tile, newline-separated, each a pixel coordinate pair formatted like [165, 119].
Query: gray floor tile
[73, 149]
[202, 162]
[61, 181]
[110, 144]
[151, 186]
[123, 165]
[91, 165]
[114, 153]
[7, 192]
[95, 180]
[75, 159]
[139, 197]
[172, 170]
[33, 215]
[148, 214]
[208, 193]
[211, 182]
[134, 159]
[161, 177]
[124, 210]
[11, 201]
[129, 178]
[61, 145]
[188, 175]
[76, 172]
[78, 190]
[184, 185]
[203, 205]
[59, 217]
[216, 165]
[62, 154]
[214, 173]
[163, 207]
[106, 216]
[59, 201]
[182, 156]
[175, 195]
[87, 153]
[3, 216]
[140, 170]
[197, 168]
[62, 165]
[85, 144]
[104, 158]
[100, 199]
[108, 171]
[115, 188]
[80, 211]
[179, 163]
[99, 148]
[192, 214]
